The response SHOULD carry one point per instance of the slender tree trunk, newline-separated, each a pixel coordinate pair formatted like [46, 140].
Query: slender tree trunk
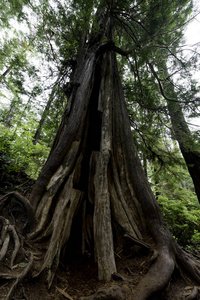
[6, 71]
[53, 95]
[181, 131]
[43, 119]
[185, 140]
[10, 115]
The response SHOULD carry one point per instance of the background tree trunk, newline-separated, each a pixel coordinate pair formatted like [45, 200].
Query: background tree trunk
[43, 118]
[184, 138]
[180, 129]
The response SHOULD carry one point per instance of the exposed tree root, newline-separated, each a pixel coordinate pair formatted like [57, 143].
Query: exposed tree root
[8, 231]
[16, 273]
[161, 270]
[16, 242]
[14, 205]
[188, 263]
[193, 294]
[18, 277]
[19, 215]
[137, 241]
[157, 277]
[4, 247]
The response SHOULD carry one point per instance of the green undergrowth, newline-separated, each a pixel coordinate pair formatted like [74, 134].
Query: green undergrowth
[18, 152]
[182, 218]
[181, 212]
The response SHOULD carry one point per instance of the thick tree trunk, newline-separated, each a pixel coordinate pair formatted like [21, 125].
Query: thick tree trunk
[93, 172]
[100, 174]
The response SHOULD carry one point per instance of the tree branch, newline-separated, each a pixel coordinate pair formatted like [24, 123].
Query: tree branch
[120, 51]
[162, 91]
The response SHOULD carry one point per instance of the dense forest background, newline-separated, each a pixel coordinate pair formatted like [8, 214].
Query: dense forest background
[39, 45]
[38, 42]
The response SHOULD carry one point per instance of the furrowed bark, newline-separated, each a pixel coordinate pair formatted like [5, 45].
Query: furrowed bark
[78, 101]
[103, 236]
[180, 129]
[186, 143]
[61, 227]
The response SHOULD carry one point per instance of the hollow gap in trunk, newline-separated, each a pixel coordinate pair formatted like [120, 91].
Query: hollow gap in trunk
[93, 134]
[81, 241]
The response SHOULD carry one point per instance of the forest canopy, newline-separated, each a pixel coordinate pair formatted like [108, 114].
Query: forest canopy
[98, 107]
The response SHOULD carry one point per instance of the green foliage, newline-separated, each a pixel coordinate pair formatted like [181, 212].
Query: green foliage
[179, 205]
[10, 9]
[174, 191]
[19, 153]
[182, 217]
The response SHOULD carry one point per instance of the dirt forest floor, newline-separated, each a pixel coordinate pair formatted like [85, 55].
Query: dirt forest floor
[77, 277]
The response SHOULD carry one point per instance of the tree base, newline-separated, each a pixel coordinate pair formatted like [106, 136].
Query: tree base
[142, 272]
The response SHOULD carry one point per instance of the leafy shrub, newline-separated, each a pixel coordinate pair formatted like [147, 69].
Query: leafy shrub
[18, 151]
[174, 191]
[182, 217]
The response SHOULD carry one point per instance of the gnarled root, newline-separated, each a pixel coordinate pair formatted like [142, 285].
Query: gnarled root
[11, 272]
[188, 264]
[157, 277]
[16, 207]
[161, 271]
[17, 277]
[7, 232]
[193, 295]
[15, 263]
